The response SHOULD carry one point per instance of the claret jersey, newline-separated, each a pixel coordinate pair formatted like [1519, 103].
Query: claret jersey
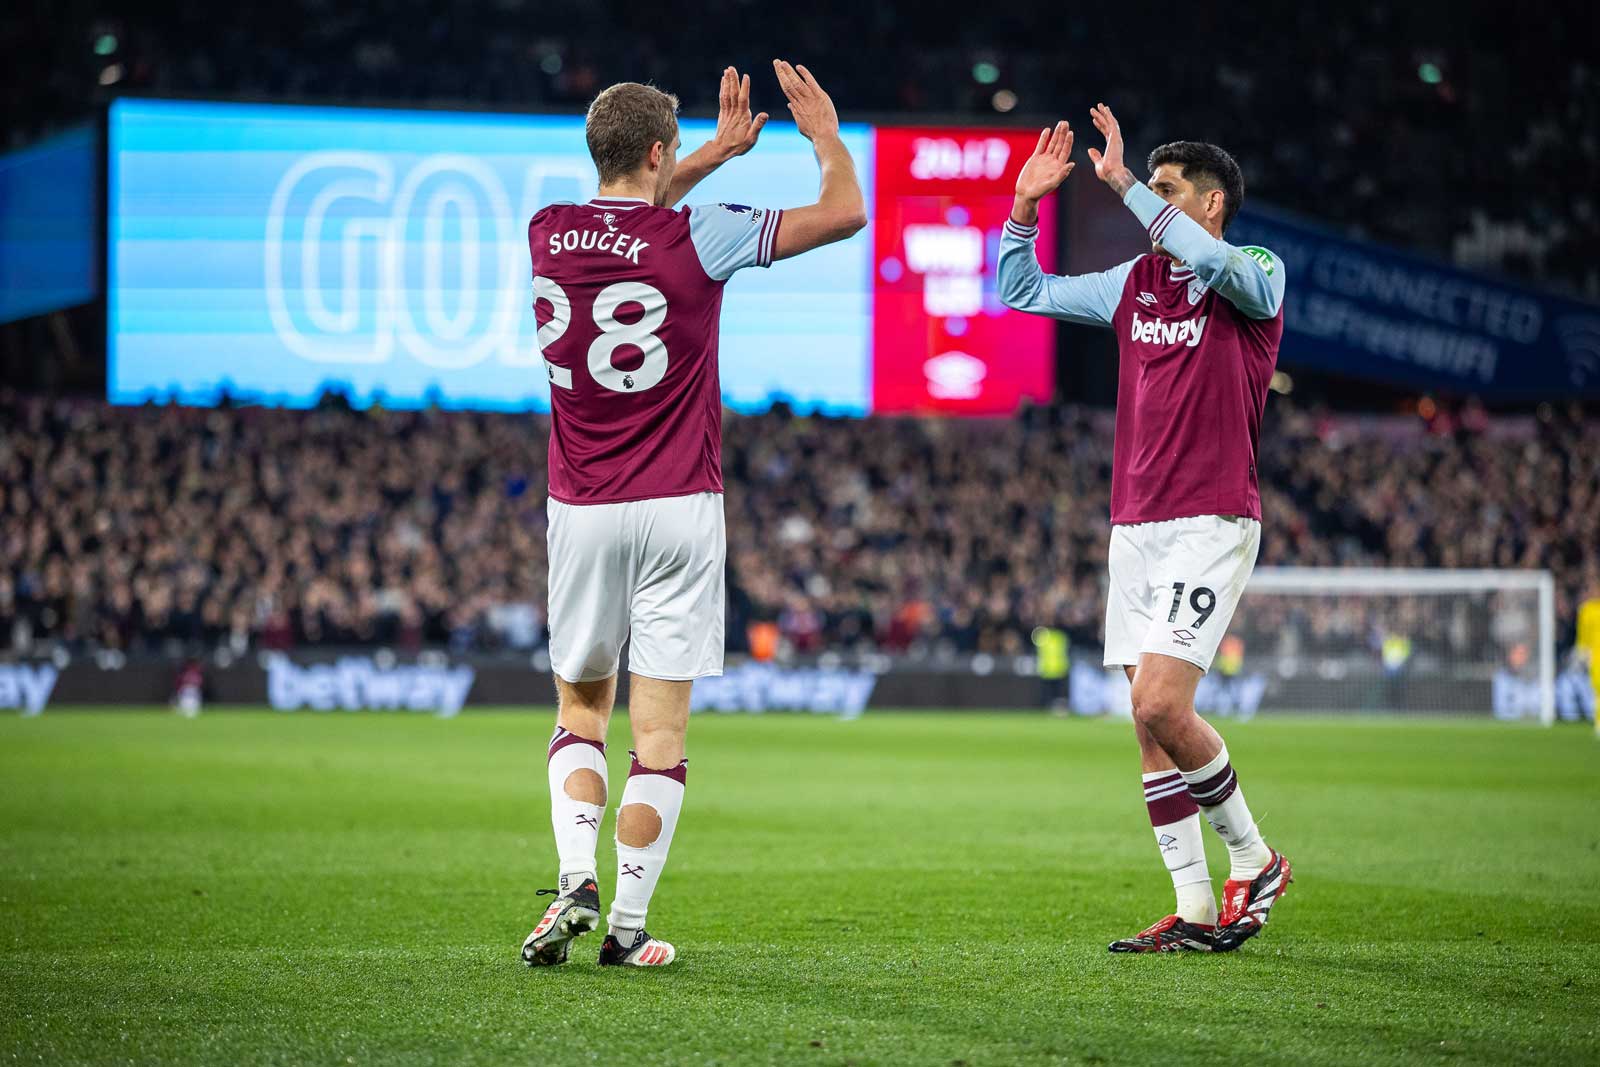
[1197, 339]
[627, 297]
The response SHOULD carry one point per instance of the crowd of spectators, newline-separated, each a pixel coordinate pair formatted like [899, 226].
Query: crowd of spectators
[171, 531]
[1443, 126]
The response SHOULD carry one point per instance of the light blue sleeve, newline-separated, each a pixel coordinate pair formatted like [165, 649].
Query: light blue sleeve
[1090, 299]
[730, 237]
[1249, 278]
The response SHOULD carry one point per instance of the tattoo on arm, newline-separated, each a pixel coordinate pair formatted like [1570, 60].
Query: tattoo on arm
[1122, 181]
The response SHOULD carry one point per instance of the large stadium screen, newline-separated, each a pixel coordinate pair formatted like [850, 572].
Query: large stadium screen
[274, 252]
[942, 341]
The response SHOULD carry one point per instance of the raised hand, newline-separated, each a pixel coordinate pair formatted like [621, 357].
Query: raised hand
[1108, 165]
[736, 129]
[812, 108]
[736, 134]
[1049, 165]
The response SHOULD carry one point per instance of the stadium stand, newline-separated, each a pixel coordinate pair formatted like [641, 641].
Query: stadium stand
[1393, 122]
[164, 530]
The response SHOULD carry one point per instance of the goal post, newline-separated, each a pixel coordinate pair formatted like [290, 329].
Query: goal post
[1406, 640]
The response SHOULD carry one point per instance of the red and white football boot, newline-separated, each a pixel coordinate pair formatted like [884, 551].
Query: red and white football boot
[1246, 904]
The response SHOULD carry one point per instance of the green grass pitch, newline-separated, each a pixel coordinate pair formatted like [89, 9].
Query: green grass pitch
[905, 889]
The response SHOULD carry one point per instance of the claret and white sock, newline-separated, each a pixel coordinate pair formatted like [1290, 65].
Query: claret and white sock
[1215, 789]
[645, 821]
[577, 768]
[1177, 827]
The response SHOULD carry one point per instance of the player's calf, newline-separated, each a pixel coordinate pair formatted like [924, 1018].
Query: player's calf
[577, 778]
[646, 820]
[1176, 821]
[1215, 788]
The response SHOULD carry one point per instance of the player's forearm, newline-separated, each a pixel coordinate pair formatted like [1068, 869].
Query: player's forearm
[1121, 181]
[840, 210]
[1169, 227]
[1252, 283]
[1025, 212]
[1090, 299]
[840, 192]
[1019, 278]
[695, 168]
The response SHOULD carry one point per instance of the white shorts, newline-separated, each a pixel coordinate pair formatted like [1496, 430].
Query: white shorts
[1175, 584]
[649, 568]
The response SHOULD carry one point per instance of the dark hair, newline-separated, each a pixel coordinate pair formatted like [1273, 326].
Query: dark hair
[624, 122]
[1209, 167]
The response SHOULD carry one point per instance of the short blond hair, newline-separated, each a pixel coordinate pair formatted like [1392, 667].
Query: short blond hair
[624, 122]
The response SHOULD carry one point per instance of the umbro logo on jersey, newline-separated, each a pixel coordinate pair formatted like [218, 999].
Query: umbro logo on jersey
[1183, 637]
[1159, 332]
[1147, 299]
[1167, 842]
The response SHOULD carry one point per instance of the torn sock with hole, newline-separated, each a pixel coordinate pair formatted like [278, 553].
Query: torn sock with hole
[646, 819]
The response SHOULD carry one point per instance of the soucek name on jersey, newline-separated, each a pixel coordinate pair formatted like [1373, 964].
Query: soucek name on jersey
[627, 296]
[1197, 339]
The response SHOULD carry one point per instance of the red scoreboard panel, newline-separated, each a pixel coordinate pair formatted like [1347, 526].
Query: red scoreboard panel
[942, 341]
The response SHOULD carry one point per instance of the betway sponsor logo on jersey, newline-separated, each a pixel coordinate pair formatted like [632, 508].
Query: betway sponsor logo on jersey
[1161, 332]
[358, 684]
[614, 241]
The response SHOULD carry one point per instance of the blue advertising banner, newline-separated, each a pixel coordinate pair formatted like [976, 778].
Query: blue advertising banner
[1366, 311]
[49, 224]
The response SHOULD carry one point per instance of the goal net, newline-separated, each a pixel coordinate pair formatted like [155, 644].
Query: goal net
[1414, 641]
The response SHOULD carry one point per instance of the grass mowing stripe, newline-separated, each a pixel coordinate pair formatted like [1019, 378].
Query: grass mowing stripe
[907, 888]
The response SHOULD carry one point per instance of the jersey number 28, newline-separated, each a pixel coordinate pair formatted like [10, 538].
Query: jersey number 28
[613, 334]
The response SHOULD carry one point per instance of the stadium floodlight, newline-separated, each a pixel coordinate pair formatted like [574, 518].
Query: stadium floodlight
[1404, 640]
